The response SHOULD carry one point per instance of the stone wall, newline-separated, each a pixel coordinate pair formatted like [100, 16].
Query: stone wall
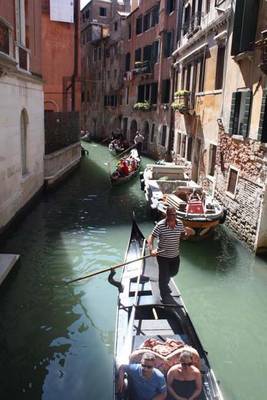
[18, 96]
[244, 207]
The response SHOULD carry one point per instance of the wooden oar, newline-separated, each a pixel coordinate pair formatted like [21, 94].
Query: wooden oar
[110, 268]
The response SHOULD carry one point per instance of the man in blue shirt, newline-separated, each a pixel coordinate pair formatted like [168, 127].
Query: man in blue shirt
[145, 381]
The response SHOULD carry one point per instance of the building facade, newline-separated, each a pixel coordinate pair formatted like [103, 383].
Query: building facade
[102, 30]
[242, 151]
[21, 104]
[62, 94]
[199, 78]
[148, 46]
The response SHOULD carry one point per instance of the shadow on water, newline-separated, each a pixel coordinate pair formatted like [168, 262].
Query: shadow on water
[216, 253]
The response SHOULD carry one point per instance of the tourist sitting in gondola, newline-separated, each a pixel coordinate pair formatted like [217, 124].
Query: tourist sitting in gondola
[145, 382]
[184, 379]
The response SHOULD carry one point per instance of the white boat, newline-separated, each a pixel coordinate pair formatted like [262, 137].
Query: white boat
[168, 184]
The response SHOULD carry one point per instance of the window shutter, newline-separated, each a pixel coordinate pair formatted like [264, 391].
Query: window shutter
[262, 132]
[246, 120]
[235, 105]
[238, 16]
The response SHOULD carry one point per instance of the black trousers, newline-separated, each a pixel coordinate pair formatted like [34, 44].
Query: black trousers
[138, 147]
[168, 267]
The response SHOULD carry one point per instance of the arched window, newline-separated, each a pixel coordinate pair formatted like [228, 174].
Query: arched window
[23, 135]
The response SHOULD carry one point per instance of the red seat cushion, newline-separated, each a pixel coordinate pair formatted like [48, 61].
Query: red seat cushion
[195, 207]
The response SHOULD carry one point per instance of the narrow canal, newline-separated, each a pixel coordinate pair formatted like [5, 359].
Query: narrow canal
[56, 341]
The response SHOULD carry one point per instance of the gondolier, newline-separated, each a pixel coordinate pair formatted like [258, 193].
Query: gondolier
[138, 140]
[169, 232]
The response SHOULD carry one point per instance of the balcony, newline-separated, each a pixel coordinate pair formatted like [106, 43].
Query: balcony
[262, 45]
[184, 102]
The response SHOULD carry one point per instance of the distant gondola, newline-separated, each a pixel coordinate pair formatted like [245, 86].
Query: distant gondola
[118, 177]
[141, 315]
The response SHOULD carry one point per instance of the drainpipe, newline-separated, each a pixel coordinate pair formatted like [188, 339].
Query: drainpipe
[76, 51]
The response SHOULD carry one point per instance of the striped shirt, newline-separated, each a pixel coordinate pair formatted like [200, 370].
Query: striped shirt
[168, 238]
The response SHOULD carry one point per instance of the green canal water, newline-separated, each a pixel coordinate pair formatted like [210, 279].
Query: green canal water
[56, 340]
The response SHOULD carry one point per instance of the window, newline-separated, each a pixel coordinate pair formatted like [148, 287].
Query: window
[147, 53]
[168, 43]
[155, 16]
[138, 55]
[95, 54]
[170, 6]
[102, 12]
[115, 73]
[183, 146]
[154, 92]
[262, 133]
[240, 113]
[245, 25]
[155, 52]
[152, 135]
[179, 143]
[4, 38]
[127, 96]
[165, 98]
[219, 67]
[139, 23]
[232, 180]
[189, 148]
[108, 74]
[147, 92]
[146, 22]
[23, 135]
[163, 135]
[186, 21]
[212, 159]
[82, 97]
[207, 6]
[99, 53]
[141, 94]
[115, 26]
[87, 14]
[201, 66]
[127, 62]
[188, 77]
[129, 31]
[20, 22]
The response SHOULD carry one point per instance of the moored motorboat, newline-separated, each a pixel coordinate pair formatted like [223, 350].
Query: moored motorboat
[143, 318]
[168, 184]
[127, 168]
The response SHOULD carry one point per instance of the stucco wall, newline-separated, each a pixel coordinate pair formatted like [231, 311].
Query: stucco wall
[16, 190]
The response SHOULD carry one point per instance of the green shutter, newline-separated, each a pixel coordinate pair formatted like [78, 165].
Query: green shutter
[238, 16]
[262, 133]
[235, 105]
[248, 98]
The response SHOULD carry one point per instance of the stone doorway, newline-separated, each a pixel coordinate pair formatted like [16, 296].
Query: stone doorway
[133, 129]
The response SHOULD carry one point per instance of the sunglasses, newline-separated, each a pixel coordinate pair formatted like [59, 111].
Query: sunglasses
[147, 366]
[186, 364]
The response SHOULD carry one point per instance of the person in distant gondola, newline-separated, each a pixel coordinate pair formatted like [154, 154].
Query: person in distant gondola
[168, 232]
[184, 379]
[138, 141]
[145, 381]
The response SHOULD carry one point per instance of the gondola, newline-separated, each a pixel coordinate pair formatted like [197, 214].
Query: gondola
[117, 178]
[142, 315]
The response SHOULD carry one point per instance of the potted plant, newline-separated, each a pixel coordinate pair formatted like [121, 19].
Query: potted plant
[142, 106]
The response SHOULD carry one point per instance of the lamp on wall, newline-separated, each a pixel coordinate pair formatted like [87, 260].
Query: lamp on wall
[220, 123]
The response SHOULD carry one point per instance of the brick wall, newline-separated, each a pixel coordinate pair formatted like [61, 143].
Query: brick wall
[248, 158]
